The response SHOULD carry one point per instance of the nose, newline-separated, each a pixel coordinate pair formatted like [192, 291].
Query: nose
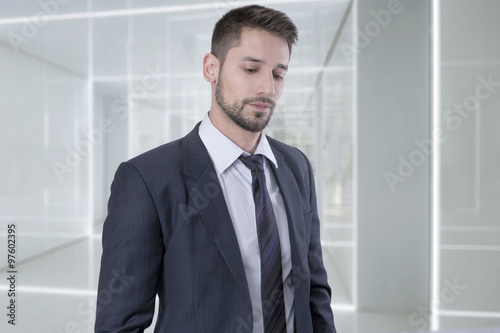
[266, 86]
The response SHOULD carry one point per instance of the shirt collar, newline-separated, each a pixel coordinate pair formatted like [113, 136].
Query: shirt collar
[223, 151]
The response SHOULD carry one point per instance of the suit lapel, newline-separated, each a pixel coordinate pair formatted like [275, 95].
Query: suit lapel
[205, 190]
[296, 228]
[290, 194]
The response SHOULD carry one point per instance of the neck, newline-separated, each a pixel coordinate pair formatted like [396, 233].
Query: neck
[244, 139]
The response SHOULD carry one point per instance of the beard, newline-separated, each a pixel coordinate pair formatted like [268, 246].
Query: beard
[254, 123]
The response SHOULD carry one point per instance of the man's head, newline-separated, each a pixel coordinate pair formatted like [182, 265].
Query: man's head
[251, 48]
[227, 32]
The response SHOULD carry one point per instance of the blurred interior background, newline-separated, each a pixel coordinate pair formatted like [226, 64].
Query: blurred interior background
[396, 103]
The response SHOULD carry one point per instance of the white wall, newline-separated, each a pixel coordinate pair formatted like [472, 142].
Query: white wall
[393, 112]
[468, 206]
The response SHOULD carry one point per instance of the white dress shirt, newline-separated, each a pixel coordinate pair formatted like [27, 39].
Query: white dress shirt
[236, 180]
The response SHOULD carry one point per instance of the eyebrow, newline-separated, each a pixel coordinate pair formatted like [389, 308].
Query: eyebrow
[252, 59]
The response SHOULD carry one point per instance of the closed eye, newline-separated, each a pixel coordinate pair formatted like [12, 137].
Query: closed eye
[278, 77]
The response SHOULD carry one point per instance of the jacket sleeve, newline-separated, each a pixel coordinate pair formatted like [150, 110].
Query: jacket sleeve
[320, 293]
[132, 256]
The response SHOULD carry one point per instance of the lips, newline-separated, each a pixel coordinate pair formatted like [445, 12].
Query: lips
[260, 106]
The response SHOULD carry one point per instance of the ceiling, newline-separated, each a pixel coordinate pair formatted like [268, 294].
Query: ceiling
[109, 39]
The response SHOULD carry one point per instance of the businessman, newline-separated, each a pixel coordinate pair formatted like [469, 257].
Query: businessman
[222, 224]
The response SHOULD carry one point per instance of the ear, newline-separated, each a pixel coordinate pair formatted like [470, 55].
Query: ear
[210, 67]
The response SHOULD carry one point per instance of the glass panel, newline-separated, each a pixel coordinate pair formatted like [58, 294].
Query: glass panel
[337, 169]
[469, 159]
[44, 130]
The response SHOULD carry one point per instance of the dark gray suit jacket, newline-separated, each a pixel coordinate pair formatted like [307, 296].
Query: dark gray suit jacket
[168, 233]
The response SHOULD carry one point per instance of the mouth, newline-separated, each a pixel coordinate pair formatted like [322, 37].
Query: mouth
[261, 106]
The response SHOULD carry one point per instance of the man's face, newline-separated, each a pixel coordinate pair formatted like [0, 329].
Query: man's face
[252, 79]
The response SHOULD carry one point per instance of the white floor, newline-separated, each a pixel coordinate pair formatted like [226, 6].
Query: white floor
[56, 294]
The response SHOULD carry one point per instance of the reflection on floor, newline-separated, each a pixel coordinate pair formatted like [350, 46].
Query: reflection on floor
[56, 292]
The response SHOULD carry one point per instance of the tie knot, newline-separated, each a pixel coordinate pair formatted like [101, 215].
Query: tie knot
[253, 162]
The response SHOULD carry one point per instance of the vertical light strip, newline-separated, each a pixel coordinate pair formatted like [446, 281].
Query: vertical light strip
[46, 113]
[477, 166]
[170, 116]
[436, 162]
[90, 110]
[46, 139]
[91, 275]
[355, 158]
[130, 86]
[90, 78]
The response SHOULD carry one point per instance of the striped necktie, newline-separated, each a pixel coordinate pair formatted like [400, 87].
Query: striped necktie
[273, 305]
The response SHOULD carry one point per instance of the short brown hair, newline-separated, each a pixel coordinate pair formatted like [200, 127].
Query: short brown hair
[227, 31]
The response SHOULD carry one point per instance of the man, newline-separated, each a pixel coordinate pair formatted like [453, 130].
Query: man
[222, 224]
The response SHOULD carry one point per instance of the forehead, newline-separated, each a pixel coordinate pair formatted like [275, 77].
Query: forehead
[260, 44]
